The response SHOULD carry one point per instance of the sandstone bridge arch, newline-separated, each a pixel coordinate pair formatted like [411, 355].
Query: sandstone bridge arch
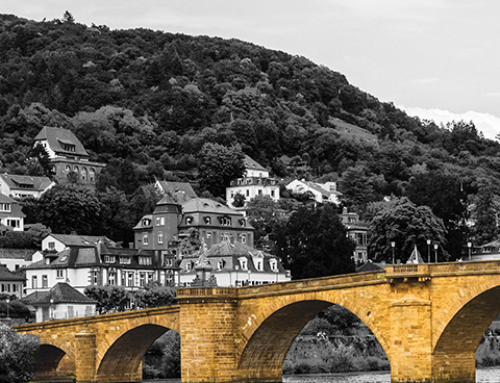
[429, 319]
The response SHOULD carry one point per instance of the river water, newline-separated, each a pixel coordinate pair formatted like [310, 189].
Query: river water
[483, 375]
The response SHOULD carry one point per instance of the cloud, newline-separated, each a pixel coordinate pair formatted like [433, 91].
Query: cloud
[486, 123]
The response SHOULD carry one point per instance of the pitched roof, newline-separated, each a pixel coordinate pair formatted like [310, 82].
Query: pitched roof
[250, 163]
[6, 199]
[15, 207]
[26, 254]
[56, 137]
[60, 293]
[415, 257]
[179, 191]
[206, 205]
[369, 266]
[15, 181]
[81, 240]
[7, 275]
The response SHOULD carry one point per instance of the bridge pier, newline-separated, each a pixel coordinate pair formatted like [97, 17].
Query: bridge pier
[85, 342]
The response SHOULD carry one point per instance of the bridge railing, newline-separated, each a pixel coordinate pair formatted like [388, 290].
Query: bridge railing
[408, 270]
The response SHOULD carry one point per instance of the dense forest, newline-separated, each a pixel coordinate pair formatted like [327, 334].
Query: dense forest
[148, 102]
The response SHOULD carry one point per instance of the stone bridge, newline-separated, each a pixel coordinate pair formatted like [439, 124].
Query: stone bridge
[429, 318]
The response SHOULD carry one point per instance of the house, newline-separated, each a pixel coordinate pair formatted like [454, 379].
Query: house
[358, 232]
[11, 214]
[322, 192]
[178, 191]
[11, 283]
[97, 265]
[17, 186]
[172, 221]
[59, 242]
[256, 181]
[16, 259]
[62, 301]
[67, 155]
[232, 264]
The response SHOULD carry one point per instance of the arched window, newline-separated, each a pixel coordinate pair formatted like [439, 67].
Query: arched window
[84, 174]
[92, 175]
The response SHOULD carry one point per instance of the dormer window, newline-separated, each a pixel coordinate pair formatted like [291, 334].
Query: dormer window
[207, 220]
[4, 206]
[146, 222]
[243, 263]
[243, 222]
[189, 220]
[225, 221]
[188, 266]
[274, 265]
[109, 259]
[145, 261]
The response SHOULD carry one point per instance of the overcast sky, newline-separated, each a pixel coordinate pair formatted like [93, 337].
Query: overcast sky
[438, 59]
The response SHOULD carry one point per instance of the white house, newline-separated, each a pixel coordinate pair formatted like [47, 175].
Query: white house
[322, 192]
[11, 214]
[11, 283]
[96, 264]
[59, 242]
[18, 186]
[234, 264]
[62, 301]
[16, 259]
[255, 182]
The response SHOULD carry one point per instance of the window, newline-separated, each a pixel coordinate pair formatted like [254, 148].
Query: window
[71, 312]
[92, 175]
[45, 281]
[142, 279]
[189, 220]
[95, 276]
[243, 263]
[208, 220]
[109, 259]
[157, 221]
[52, 245]
[248, 193]
[145, 261]
[243, 238]
[59, 273]
[4, 206]
[160, 237]
[34, 282]
[125, 260]
[274, 265]
[14, 223]
[188, 266]
[112, 278]
[145, 238]
[130, 279]
[162, 221]
[259, 265]
[272, 193]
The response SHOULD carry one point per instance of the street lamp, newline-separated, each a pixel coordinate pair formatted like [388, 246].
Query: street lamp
[51, 309]
[8, 317]
[436, 251]
[429, 251]
[469, 245]
[393, 244]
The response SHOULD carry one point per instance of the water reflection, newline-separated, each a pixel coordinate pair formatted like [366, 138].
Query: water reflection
[483, 375]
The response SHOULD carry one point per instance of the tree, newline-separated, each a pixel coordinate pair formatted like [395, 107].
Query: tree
[70, 208]
[239, 200]
[262, 213]
[218, 166]
[357, 189]
[108, 298]
[313, 243]
[154, 296]
[17, 364]
[406, 224]
[486, 207]
[41, 162]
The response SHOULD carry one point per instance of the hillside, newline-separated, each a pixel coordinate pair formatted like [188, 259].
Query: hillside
[146, 101]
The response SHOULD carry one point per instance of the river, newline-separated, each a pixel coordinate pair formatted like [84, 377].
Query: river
[483, 375]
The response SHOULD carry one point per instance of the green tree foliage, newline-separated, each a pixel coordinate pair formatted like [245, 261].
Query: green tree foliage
[313, 243]
[17, 364]
[407, 225]
[70, 208]
[108, 298]
[154, 296]
[218, 166]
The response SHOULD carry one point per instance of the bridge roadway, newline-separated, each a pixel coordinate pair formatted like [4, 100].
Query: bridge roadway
[429, 318]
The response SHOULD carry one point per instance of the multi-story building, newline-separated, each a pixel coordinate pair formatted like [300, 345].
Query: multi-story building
[67, 155]
[255, 182]
[11, 214]
[358, 232]
[171, 221]
[322, 192]
[17, 186]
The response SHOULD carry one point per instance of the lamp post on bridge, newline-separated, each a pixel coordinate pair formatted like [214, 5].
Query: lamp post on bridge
[469, 245]
[8, 316]
[429, 251]
[436, 252]
[393, 245]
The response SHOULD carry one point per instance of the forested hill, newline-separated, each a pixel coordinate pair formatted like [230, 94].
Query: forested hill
[151, 99]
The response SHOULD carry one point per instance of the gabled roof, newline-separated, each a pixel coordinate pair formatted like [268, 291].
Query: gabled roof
[206, 205]
[56, 137]
[250, 163]
[314, 186]
[81, 240]
[7, 275]
[179, 191]
[6, 199]
[15, 208]
[15, 181]
[60, 293]
[415, 257]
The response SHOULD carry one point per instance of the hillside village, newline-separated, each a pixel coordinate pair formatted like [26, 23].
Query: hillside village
[194, 160]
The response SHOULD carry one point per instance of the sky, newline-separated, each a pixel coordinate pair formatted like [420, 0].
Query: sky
[436, 59]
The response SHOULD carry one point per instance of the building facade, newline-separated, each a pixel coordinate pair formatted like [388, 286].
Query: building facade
[11, 214]
[256, 181]
[358, 232]
[17, 186]
[68, 156]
